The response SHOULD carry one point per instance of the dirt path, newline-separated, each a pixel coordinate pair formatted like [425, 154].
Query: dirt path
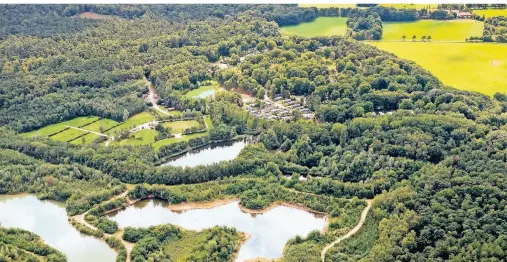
[350, 233]
[153, 98]
[128, 246]
[89, 131]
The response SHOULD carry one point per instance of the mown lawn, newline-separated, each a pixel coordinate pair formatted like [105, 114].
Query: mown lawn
[51, 129]
[143, 137]
[89, 138]
[67, 135]
[322, 26]
[491, 12]
[135, 120]
[104, 123]
[479, 67]
[157, 145]
[179, 126]
[439, 30]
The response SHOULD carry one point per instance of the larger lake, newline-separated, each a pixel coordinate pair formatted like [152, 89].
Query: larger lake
[207, 155]
[268, 232]
[48, 219]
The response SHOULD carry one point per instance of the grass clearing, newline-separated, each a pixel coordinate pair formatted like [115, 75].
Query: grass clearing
[179, 126]
[203, 91]
[143, 137]
[182, 249]
[89, 138]
[439, 30]
[491, 12]
[51, 129]
[104, 123]
[479, 67]
[67, 135]
[135, 120]
[322, 26]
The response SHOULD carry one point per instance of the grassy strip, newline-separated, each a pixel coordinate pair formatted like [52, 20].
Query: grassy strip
[86, 230]
[120, 249]
[84, 134]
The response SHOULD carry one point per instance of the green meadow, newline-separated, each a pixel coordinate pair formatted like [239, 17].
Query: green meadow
[439, 30]
[322, 26]
[51, 129]
[479, 67]
[203, 91]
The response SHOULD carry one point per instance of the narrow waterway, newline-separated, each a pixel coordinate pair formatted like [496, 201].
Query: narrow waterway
[268, 232]
[48, 219]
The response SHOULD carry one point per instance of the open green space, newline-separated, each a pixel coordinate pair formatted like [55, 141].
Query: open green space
[157, 145]
[143, 137]
[204, 91]
[88, 139]
[491, 12]
[479, 67]
[102, 124]
[67, 135]
[322, 26]
[178, 126]
[51, 129]
[135, 120]
[439, 30]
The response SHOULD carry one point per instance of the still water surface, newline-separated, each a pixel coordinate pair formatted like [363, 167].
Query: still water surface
[207, 155]
[268, 232]
[48, 219]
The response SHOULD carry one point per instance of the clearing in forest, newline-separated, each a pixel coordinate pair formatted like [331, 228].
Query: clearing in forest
[439, 30]
[203, 91]
[135, 120]
[54, 128]
[491, 12]
[476, 67]
[101, 125]
[178, 126]
[68, 135]
[322, 26]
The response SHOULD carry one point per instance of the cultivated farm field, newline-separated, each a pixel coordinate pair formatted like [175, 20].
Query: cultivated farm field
[491, 12]
[322, 26]
[479, 67]
[411, 6]
[439, 30]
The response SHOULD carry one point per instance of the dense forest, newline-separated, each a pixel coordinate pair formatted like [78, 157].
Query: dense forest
[432, 157]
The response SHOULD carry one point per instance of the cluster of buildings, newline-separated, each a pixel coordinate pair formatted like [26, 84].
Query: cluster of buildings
[278, 109]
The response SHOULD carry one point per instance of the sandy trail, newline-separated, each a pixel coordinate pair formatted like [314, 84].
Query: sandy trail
[351, 232]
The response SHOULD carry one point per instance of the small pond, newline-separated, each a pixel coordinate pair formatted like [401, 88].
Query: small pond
[48, 219]
[207, 155]
[268, 232]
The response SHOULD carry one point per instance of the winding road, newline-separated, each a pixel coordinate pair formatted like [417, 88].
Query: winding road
[351, 232]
